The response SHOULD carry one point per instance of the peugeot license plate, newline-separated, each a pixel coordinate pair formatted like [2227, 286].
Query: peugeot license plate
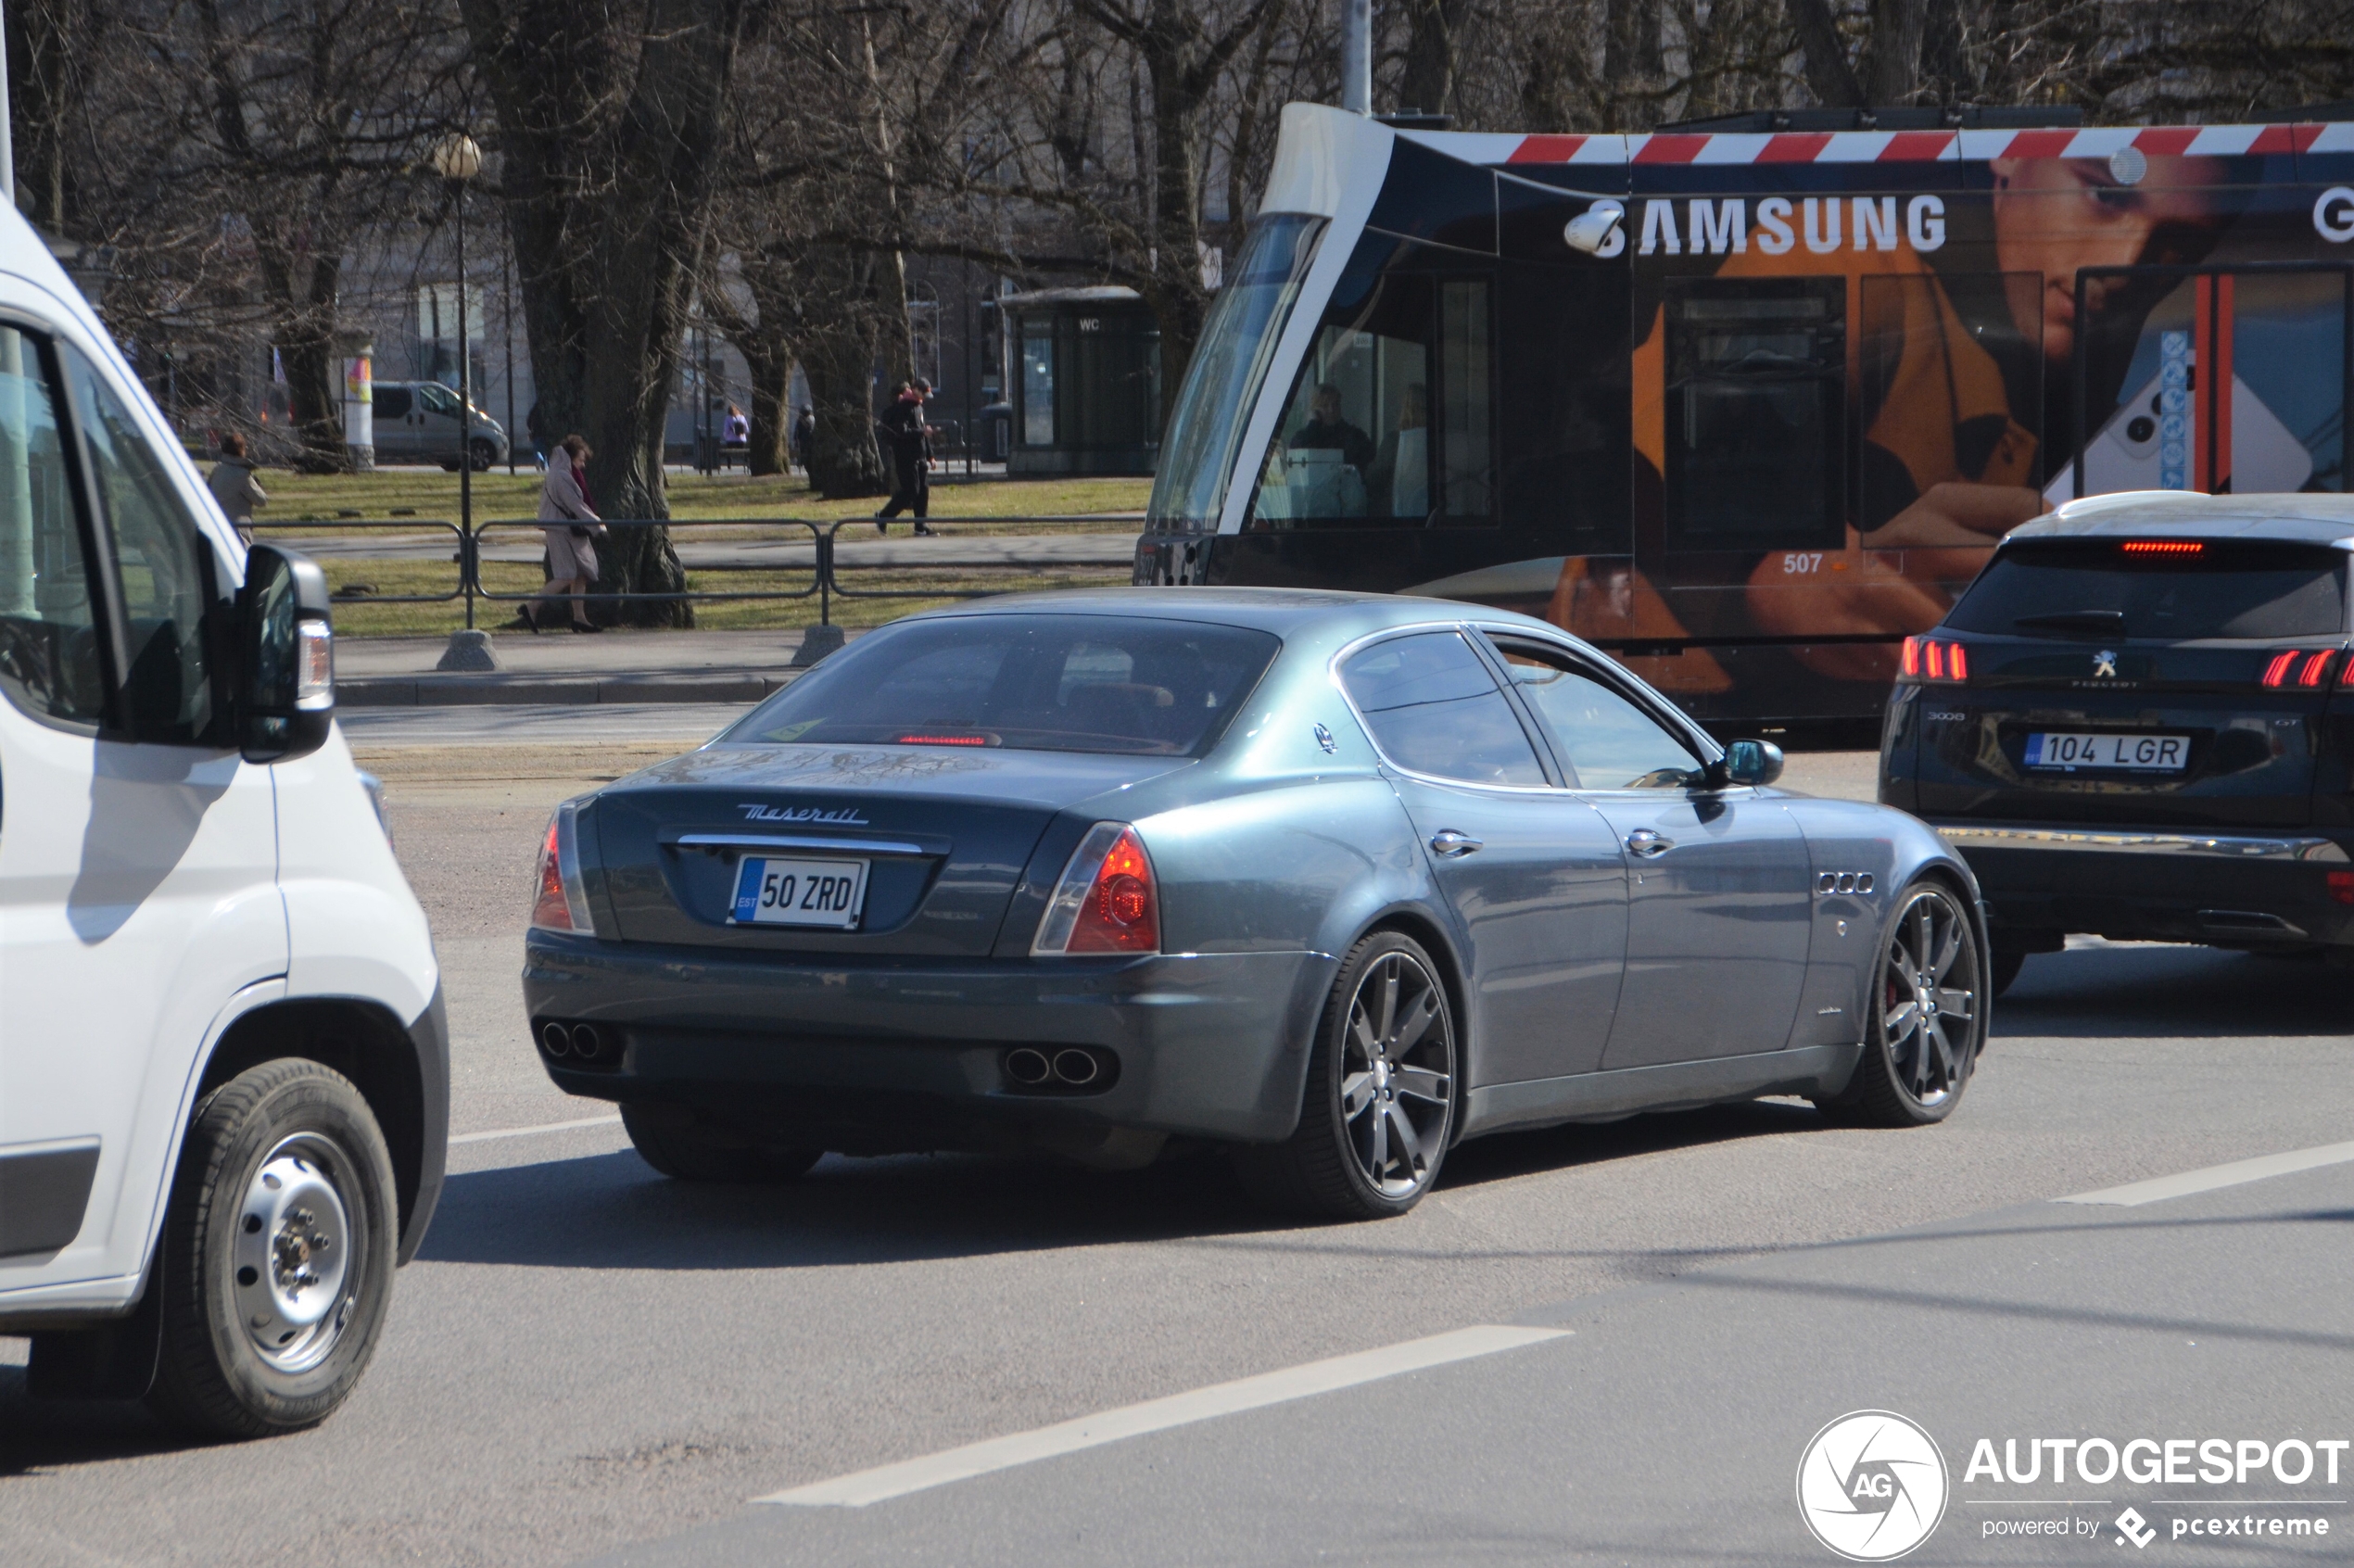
[800, 892]
[2142, 753]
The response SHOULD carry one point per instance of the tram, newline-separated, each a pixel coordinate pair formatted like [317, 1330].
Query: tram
[1746, 408]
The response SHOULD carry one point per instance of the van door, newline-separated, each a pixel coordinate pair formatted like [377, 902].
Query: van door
[137, 849]
[396, 421]
[440, 432]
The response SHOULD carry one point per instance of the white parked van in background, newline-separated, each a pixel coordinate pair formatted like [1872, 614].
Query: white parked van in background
[223, 1068]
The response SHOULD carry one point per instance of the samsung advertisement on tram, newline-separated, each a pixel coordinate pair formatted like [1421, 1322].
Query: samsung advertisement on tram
[1747, 410]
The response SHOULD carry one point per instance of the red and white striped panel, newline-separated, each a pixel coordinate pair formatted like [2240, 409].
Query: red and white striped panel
[1901, 146]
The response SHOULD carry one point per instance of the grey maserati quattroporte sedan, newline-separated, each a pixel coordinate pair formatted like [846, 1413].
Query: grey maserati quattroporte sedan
[1333, 881]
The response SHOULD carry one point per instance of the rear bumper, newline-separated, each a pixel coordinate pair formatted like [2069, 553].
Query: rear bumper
[2157, 884]
[884, 1055]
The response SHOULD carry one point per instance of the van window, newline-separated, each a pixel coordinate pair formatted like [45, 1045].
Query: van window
[392, 402]
[437, 399]
[49, 660]
[1756, 410]
[159, 562]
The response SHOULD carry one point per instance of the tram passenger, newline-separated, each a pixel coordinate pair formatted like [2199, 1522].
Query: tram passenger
[1401, 474]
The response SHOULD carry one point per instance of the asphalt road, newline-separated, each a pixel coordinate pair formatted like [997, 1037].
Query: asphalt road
[587, 1359]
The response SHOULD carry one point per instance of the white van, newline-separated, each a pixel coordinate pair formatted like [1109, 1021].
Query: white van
[224, 1095]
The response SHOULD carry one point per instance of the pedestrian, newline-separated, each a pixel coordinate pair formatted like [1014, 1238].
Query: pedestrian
[804, 433]
[234, 485]
[572, 526]
[738, 428]
[910, 441]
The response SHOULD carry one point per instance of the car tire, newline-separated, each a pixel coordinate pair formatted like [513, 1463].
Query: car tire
[276, 1258]
[2007, 963]
[684, 1148]
[485, 453]
[1386, 1042]
[1932, 971]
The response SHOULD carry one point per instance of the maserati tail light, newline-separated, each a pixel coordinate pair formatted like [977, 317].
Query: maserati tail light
[1106, 900]
[561, 903]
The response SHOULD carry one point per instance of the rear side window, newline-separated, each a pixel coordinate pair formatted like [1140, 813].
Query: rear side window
[392, 402]
[1045, 683]
[2258, 591]
[1433, 708]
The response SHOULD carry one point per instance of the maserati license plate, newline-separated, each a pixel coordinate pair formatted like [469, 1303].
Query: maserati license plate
[800, 892]
[2142, 754]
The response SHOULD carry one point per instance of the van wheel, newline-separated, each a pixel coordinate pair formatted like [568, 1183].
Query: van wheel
[483, 454]
[1926, 1015]
[276, 1258]
[673, 1142]
[1379, 1108]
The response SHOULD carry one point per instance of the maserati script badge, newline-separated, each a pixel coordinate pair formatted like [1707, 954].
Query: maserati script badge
[2105, 662]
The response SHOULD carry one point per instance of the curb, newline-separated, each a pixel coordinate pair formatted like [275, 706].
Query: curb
[421, 692]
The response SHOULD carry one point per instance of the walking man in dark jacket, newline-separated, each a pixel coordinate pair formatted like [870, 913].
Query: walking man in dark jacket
[910, 441]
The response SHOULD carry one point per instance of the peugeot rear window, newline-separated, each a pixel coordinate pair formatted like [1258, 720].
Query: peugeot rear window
[1041, 683]
[2173, 589]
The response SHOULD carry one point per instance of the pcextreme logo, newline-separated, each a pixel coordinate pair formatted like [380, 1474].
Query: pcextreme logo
[1871, 1485]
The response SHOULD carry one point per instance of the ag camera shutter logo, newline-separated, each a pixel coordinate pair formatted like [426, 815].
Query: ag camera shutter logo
[1871, 1485]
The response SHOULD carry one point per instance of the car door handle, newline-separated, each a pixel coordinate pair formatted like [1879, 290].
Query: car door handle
[1451, 845]
[1645, 842]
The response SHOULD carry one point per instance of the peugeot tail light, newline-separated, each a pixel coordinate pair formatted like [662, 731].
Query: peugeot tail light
[2295, 668]
[562, 905]
[1934, 658]
[1106, 900]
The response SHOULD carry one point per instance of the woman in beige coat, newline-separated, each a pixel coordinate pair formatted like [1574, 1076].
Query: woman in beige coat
[572, 555]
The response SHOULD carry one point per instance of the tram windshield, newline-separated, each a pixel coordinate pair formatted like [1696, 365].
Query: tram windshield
[1229, 366]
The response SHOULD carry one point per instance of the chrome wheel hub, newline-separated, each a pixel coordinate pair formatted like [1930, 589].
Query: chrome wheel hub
[295, 1264]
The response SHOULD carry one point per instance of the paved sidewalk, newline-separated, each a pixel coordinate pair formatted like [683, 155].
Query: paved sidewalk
[561, 667]
[857, 545]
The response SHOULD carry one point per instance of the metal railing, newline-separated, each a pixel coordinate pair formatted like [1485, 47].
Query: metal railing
[783, 546]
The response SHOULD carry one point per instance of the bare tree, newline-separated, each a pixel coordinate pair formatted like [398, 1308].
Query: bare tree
[609, 123]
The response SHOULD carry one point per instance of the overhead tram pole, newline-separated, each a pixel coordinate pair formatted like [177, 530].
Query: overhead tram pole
[1356, 55]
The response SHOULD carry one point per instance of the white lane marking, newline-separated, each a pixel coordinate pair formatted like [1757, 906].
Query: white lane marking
[858, 1489]
[526, 1131]
[2134, 1194]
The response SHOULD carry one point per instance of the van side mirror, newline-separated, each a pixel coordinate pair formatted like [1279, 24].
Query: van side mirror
[1752, 762]
[286, 664]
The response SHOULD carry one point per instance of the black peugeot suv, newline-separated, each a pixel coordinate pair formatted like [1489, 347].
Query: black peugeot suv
[2139, 723]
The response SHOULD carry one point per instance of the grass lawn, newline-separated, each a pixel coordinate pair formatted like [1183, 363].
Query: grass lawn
[424, 492]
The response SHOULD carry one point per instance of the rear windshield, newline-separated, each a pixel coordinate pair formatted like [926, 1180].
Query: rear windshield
[1040, 683]
[2224, 590]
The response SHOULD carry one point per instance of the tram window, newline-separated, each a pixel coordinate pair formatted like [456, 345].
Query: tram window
[1038, 385]
[1756, 408]
[1390, 423]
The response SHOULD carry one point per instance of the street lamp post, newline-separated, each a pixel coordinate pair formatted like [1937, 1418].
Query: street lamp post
[457, 157]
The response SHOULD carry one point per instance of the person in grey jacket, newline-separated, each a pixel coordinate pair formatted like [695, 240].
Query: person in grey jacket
[234, 485]
[572, 552]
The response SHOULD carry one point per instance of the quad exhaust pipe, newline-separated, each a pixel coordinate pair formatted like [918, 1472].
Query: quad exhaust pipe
[1070, 1068]
[581, 1040]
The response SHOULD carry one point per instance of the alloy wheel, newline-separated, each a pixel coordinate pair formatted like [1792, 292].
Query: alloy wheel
[1930, 990]
[1398, 1075]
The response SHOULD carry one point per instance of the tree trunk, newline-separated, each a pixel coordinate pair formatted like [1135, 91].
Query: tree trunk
[839, 360]
[1828, 76]
[305, 338]
[1891, 62]
[46, 40]
[1429, 82]
[770, 362]
[608, 231]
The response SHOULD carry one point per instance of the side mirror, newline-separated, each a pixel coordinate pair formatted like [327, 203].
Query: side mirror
[287, 663]
[1752, 762]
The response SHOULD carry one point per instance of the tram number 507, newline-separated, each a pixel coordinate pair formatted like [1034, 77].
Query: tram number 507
[1800, 563]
